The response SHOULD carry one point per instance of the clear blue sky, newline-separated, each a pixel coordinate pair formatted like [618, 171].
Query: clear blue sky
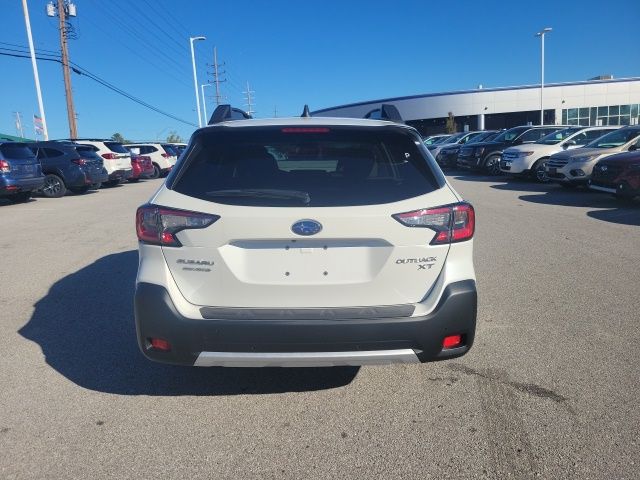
[296, 52]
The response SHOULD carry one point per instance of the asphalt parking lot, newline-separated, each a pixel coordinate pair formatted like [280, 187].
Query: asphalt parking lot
[550, 389]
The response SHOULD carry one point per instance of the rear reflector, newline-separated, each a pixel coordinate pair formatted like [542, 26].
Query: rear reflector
[452, 341]
[160, 344]
[159, 225]
[452, 223]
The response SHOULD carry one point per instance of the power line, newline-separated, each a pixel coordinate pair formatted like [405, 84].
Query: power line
[83, 71]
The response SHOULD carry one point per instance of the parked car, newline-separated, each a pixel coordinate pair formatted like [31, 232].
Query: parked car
[574, 167]
[300, 242]
[141, 167]
[486, 155]
[162, 155]
[68, 167]
[531, 159]
[455, 139]
[20, 172]
[116, 158]
[448, 156]
[431, 139]
[179, 148]
[618, 174]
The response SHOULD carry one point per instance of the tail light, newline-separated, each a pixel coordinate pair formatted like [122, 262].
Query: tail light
[452, 223]
[159, 225]
[109, 156]
[79, 161]
[4, 166]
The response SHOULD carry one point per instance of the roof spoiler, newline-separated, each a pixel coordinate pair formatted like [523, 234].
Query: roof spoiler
[385, 112]
[223, 113]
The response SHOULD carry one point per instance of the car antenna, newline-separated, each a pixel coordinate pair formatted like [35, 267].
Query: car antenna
[305, 112]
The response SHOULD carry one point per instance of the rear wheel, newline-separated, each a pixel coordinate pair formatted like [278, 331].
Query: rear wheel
[492, 165]
[21, 197]
[79, 190]
[156, 171]
[538, 171]
[53, 186]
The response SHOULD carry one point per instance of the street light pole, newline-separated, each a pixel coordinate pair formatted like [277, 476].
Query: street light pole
[541, 35]
[195, 76]
[204, 102]
[36, 77]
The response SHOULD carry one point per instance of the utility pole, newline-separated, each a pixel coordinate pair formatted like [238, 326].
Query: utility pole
[275, 111]
[216, 76]
[65, 8]
[249, 99]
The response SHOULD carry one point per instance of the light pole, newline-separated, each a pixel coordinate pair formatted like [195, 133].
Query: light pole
[204, 102]
[541, 35]
[35, 70]
[195, 76]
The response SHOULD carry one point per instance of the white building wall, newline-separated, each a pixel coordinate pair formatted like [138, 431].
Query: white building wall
[475, 102]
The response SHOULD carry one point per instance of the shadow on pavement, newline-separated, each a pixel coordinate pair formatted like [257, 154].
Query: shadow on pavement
[85, 328]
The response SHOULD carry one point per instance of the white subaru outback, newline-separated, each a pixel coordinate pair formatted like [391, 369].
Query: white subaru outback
[305, 242]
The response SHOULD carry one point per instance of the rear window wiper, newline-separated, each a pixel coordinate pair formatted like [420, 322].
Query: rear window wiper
[263, 193]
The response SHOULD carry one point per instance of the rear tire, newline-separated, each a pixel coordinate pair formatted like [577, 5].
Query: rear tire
[492, 165]
[54, 186]
[156, 171]
[538, 171]
[21, 197]
[79, 190]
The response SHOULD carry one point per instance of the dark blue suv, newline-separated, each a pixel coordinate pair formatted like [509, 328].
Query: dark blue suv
[20, 172]
[68, 167]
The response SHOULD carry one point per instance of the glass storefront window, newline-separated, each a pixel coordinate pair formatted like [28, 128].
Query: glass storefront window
[614, 110]
[603, 111]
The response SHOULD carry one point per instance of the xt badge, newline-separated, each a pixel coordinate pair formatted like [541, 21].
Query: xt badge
[424, 263]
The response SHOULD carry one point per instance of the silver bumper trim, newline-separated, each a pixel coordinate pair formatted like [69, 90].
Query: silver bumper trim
[305, 359]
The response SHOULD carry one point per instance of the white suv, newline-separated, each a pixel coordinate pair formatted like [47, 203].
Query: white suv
[163, 156]
[305, 242]
[531, 159]
[116, 159]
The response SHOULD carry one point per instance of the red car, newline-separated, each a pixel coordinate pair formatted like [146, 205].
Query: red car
[141, 167]
[618, 174]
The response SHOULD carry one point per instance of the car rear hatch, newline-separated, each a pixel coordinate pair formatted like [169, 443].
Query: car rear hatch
[121, 156]
[299, 217]
[91, 162]
[19, 161]
[170, 153]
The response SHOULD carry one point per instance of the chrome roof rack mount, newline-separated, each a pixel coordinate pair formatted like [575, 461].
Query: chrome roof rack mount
[224, 113]
[385, 112]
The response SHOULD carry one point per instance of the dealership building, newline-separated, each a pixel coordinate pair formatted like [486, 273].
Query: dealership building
[599, 101]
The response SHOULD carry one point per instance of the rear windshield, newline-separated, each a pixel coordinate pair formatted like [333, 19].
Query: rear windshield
[170, 149]
[116, 147]
[88, 152]
[314, 167]
[16, 151]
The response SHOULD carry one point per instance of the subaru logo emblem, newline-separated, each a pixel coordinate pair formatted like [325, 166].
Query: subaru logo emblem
[306, 227]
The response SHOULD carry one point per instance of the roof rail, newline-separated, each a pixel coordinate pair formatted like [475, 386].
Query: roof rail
[226, 112]
[385, 112]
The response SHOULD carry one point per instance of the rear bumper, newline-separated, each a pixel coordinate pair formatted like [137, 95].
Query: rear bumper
[304, 342]
[9, 185]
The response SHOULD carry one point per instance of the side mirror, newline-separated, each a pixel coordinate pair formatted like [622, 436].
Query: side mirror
[633, 147]
[569, 143]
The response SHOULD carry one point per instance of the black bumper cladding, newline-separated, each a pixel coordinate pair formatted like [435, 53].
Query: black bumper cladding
[156, 317]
